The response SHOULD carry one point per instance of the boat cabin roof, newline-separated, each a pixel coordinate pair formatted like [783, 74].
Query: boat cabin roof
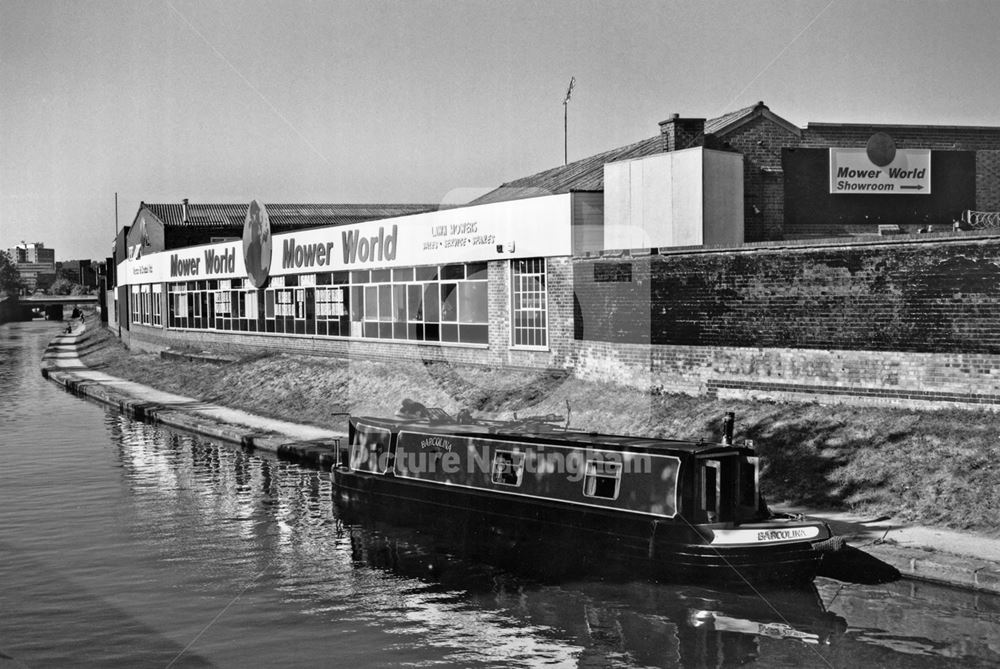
[546, 433]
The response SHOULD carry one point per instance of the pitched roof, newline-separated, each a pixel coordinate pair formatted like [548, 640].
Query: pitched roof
[721, 123]
[588, 173]
[729, 122]
[585, 174]
[295, 216]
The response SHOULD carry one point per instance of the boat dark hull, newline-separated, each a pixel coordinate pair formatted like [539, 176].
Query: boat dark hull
[555, 541]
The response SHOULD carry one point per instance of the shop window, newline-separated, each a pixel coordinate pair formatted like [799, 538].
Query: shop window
[399, 325]
[371, 303]
[476, 271]
[249, 310]
[449, 302]
[268, 304]
[329, 303]
[426, 273]
[157, 305]
[528, 303]
[473, 306]
[385, 302]
[134, 304]
[223, 299]
[408, 303]
[146, 296]
[452, 272]
[432, 303]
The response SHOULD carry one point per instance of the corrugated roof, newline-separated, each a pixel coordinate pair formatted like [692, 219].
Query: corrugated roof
[714, 125]
[282, 215]
[588, 173]
[585, 174]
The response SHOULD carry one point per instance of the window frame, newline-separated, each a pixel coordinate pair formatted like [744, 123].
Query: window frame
[521, 336]
[591, 473]
[516, 462]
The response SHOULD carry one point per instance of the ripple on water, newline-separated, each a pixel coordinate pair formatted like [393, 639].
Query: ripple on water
[126, 544]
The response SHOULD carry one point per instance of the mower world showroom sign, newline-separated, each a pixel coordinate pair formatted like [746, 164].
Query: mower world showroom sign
[854, 172]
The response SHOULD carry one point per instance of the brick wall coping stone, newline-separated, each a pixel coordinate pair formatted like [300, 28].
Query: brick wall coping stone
[903, 126]
[801, 245]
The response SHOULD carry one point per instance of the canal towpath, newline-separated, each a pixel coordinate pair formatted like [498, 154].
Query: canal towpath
[961, 559]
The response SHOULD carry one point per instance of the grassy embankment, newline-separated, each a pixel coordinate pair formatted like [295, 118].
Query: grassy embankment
[933, 467]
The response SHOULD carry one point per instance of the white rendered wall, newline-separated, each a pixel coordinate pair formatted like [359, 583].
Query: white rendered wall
[682, 198]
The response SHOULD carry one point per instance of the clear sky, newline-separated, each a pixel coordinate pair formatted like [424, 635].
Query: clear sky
[224, 101]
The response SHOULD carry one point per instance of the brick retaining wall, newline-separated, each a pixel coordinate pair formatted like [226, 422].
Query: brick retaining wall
[913, 323]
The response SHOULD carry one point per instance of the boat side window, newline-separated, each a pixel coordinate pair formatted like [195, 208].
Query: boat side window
[749, 468]
[370, 449]
[711, 481]
[508, 468]
[602, 479]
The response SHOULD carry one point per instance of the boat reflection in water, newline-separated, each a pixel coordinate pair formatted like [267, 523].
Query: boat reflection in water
[613, 620]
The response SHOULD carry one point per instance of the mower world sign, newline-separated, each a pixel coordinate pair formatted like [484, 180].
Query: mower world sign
[852, 172]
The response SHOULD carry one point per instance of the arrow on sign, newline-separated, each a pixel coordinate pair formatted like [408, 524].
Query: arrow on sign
[917, 187]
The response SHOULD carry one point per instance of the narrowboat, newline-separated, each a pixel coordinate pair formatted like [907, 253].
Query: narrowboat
[607, 505]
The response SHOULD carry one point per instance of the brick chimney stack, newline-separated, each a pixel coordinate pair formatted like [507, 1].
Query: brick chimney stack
[682, 133]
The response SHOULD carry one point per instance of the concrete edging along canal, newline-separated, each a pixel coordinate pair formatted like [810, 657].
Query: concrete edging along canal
[926, 554]
[61, 364]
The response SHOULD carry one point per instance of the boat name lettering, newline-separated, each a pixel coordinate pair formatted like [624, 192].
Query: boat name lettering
[436, 443]
[778, 535]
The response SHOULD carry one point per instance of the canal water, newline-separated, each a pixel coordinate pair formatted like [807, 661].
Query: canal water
[128, 545]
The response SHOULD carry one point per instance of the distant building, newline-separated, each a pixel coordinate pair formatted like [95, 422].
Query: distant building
[161, 227]
[35, 263]
[83, 272]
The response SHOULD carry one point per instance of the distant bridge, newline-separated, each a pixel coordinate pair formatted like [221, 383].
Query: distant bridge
[44, 300]
[49, 306]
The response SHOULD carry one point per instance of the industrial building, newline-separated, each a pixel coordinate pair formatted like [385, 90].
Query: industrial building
[510, 279]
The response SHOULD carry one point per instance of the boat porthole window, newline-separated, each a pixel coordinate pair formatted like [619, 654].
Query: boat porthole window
[508, 468]
[602, 479]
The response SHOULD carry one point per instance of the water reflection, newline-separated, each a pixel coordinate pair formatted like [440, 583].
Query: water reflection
[337, 565]
[204, 555]
[618, 622]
